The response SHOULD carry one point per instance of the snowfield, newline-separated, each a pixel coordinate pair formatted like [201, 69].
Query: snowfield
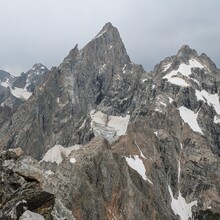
[211, 99]
[21, 93]
[184, 70]
[190, 118]
[58, 153]
[107, 126]
[137, 164]
[180, 207]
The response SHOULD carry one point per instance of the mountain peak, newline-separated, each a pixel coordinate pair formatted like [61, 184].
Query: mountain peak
[185, 53]
[107, 29]
[108, 25]
[107, 45]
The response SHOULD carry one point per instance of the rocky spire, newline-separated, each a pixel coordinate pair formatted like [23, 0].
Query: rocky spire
[105, 28]
[107, 46]
[186, 53]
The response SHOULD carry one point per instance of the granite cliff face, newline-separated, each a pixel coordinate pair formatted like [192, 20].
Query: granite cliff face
[116, 142]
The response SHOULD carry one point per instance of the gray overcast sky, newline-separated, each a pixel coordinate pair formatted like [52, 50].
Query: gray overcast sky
[44, 31]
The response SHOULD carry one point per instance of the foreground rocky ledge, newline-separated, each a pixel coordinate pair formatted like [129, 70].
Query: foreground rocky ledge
[20, 188]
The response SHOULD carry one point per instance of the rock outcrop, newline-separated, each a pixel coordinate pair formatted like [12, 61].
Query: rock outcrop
[20, 187]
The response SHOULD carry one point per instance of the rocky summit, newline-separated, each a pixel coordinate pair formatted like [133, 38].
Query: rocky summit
[100, 138]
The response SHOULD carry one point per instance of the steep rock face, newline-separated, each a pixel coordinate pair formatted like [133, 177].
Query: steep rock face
[161, 156]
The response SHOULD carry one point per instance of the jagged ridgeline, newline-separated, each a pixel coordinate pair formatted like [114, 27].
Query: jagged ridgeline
[100, 138]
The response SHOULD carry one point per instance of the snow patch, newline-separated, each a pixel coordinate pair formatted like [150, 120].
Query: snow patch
[158, 110]
[83, 124]
[144, 80]
[196, 81]
[137, 164]
[211, 99]
[166, 67]
[180, 207]
[28, 215]
[102, 67]
[99, 35]
[190, 118]
[21, 93]
[184, 70]
[156, 133]
[178, 81]
[72, 160]
[170, 100]
[216, 119]
[123, 69]
[108, 126]
[163, 103]
[48, 173]
[58, 153]
[142, 155]
[6, 83]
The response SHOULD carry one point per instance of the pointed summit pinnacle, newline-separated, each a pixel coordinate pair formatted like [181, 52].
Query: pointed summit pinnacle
[185, 50]
[106, 46]
[186, 53]
[108, 27]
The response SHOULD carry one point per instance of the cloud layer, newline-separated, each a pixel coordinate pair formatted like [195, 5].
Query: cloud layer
[45, 31]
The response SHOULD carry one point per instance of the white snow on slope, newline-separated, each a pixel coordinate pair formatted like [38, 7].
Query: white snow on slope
[58, 153]
[156, 133]
[120, 124]
[137, 164]
[190, 118]
[108, 126]
[144, 80]
[216, 119]
[142, 155]
[178, 81]
[28, 215]
[170, 100]
[21, 93]
[99, 35]
[166, 67]
[123, 69]
[5, 84]
[47, 173]
[72, 160]
[211, 99]
[163, 103]
[180, 207]
[185, 70]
